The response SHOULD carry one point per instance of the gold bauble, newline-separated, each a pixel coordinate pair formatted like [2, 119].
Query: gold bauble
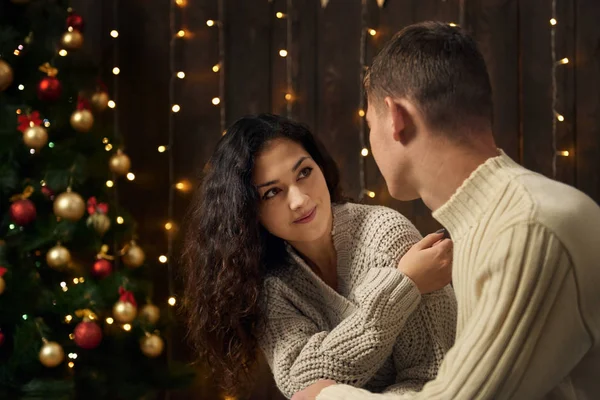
[119, 163]
[100, 222]
[6, 75]
[51, 354]
[82, 120]
[72, 40]
[35, 137]
[69, 205]
[152, 345]
[58, 257]
[99, 101]
[134, 256]
[150, 313]
[2, 285]
[124, 311]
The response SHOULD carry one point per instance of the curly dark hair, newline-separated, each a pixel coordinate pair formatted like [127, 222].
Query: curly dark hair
[227, 253]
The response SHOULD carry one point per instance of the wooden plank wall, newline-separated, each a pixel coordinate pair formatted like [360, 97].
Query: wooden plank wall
[514, 36]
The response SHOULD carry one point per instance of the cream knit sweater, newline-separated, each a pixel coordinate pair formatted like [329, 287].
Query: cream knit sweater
[376, 330]
[527, 279]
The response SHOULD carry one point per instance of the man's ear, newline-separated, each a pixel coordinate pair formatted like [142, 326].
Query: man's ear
[397, 117]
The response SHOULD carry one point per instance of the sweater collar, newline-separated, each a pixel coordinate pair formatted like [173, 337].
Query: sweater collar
[476, 194]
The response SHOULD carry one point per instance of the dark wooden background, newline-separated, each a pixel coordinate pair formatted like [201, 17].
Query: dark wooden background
[514, 36]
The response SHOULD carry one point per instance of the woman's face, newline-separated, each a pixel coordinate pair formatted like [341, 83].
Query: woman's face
[294, 200]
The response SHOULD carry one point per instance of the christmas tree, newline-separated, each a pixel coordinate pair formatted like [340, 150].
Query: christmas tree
[76, 317]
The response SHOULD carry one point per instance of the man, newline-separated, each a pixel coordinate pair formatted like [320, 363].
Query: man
[526, 248]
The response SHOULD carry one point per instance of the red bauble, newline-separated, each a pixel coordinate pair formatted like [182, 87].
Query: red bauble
[1, 338]
[49, 89]
[22, 211]
[87, 335]
[75, 21]
[49, 193]
[101, 268]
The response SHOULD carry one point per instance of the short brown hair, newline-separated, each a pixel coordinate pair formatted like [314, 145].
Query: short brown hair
[440, 68]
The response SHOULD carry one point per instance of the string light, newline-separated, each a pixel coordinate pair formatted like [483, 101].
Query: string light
[62, 52]
[560, 117]
[361, 113]
[364, 152]
[216, 101]
[216, 68]
[172, 301]
[175, 108]
[169, 226]
[288, 96]
[109, 320]
[183, 186]
[21, 87]
[553, 21]
[105, 140]
[181, 3]
[24, 317]
[210, 22]
[283, 53]
[130, 176]
[563, 61]
[76, 280]
[108, 147]
[46, 123]
[127, 327]
[71, 364]
[114, 34]
[116, 71]
[162, 259]
[452, 24]
[280, 15]
[181, 74]
[63, 284]
[162, 149]
[563, 153]
[181, 33]
[109, 183]
[73, 356]
[120, 220]
[372, 32]
[16, 52]
[112, 104]
[370, 194]
[68, 318]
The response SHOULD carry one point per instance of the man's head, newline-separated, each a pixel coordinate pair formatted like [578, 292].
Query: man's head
[427, 87]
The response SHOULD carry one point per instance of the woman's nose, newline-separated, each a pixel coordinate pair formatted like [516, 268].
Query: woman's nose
[297, 198]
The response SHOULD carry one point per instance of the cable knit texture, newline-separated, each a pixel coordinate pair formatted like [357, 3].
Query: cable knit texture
[527, 281]
[314, 332]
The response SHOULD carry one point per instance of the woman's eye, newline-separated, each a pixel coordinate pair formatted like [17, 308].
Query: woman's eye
[269, 194]
[305, 173]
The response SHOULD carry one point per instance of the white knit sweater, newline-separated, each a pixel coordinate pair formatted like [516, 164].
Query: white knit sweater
[375, 330]
[527, 277]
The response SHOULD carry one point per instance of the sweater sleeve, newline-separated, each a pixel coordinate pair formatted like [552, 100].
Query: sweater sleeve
[300, 353]
[525, 332]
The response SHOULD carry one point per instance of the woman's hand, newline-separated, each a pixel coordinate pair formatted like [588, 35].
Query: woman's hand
[429, 263]
[311, 392]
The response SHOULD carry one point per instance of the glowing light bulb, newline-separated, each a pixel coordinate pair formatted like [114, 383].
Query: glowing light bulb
[162, 259]
[114, 34]
[216, 101]
[109, 183]
[112, 104]
[130, 176]
[372, 32]
[175, 108]
[62, 52]
[181, 74]
[553, 21]
[283, 53]
[116, 70]
[364, 152]
[172, 301]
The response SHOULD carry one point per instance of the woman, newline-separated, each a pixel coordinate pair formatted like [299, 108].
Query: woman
[275, 257]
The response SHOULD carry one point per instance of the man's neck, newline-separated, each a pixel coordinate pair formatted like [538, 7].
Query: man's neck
[444, 170]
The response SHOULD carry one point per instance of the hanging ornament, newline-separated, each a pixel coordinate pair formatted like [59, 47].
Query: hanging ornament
[82, 119]
[69, 205]
[119, 163]
[49, 88]
[22, 210]
[72, 39]
[152, 345]
[133, 255]
[2, 281]
[125, 309]
[51, 354]
[381, 3]
[103, 266]
[47, 192]
[6, 75]
[75, 21]
[87, 333]
[99, 101]
[98, 219]
[58, 257]
[150, 313]
[34, 134]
